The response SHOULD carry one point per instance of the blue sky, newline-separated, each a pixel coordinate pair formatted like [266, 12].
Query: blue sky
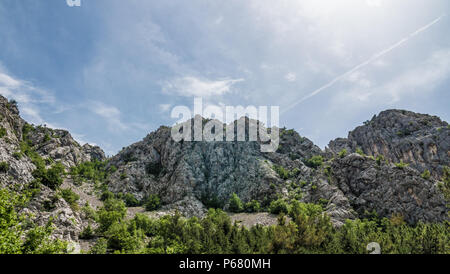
[110, 71]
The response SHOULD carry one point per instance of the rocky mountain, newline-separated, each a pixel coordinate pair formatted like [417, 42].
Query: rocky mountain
[381, 167]
[417, 139]
[192, 176]
[22, 148]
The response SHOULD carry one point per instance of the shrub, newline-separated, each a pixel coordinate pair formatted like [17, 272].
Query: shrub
[70, 197]
[122, 239]
[236, 205]
[12, 102]
[47, 137]
[342, 153]
[106, 195]
[33, 188]
[444, 186]
[112, 169]
[397, 219]
[360, 151]
[100, 247]
[147, 225]
[278, 206]
[123, 176]
[89, 171]
[130, 200]
[113, 211]
[89, 212]
[2, 132]
[14, 238]
[152, 202]
[380, 159]
[315, 161]
[307, 209]
[294, 172]
[253, 206]
[323, 202]
[18, 155]
[87, 233]
[426, 174]
[153, 168]
[50, 203]
[401, 165]
[51, 177]
[283, 173]
[26, 129]
[4, 167]
[211, 200]
[129, 157]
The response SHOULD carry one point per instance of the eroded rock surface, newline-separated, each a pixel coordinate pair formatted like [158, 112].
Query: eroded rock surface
[421, 140]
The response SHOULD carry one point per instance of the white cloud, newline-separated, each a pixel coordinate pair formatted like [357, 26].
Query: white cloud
[360, 79]
[290, 77]
[423, 78]
[164, 107]
[113, 117]
[30, 98]
[8, 81]
[219, 20]
[80, 138]
[192, 86]
[415, 81]
[374, 3]
[111, 114]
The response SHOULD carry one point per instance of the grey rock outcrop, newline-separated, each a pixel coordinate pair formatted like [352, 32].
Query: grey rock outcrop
[57, 145]
[207, 173]
[421, 140]
[60, 146]
[388, 189]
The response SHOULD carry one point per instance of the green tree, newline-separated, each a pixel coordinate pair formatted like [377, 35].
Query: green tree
[279, 206]
[236, 205]
[14, 239]
[113, 211]
[70, 197]
[252, 206]
[4, 167]
[152, 202]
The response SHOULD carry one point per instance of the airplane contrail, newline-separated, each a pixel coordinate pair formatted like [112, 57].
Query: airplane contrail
[365, 63]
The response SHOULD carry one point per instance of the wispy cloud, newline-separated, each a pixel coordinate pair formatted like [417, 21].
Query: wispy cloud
[418, 80]
[192, 86]
[111, 115]
[363, 64]
[290, 77]
[29, 97]
[164, 107]
[80, 138]
[422, 78]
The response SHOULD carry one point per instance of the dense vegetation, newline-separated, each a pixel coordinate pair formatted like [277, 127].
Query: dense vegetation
[18, 235]
[307, 230]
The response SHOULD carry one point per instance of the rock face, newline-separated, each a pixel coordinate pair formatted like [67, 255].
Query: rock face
[388, 189]
[197, 175]
[192, 176]
[53, 145]
[421, 140]
[60, 146]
